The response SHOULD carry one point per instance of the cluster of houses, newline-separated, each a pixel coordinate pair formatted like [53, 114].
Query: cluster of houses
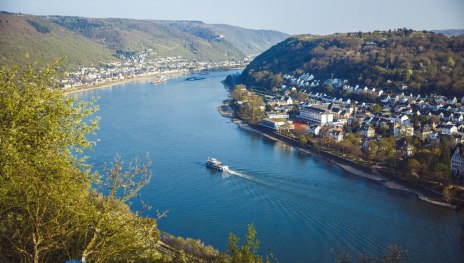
[143, 64]
[392, 114]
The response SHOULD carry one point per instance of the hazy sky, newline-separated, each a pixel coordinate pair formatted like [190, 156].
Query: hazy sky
[290, 16]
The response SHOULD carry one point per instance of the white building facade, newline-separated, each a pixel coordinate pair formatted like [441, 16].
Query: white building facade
[316, 115]
[457, 163]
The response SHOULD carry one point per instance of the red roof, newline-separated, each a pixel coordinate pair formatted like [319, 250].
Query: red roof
[300, 125]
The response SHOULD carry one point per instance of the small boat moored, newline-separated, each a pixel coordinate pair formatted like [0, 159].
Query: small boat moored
[215, 164]
[194, 78]
[160, 79]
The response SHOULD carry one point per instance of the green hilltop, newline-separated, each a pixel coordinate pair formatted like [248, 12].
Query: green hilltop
[90, 41]
[424, 61]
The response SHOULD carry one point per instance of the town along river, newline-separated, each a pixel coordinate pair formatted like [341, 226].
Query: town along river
[302, 206]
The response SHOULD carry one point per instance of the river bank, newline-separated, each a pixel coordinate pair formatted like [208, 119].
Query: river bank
[117, 82]
[225, 110]
[141, 78]
[294, 200]
[387, 180]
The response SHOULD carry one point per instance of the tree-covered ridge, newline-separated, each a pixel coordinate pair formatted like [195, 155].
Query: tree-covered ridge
[424, 61]
[91, 41]
[450, 32]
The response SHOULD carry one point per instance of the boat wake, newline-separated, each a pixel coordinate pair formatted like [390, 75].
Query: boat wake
[249, 177]
[239, 174]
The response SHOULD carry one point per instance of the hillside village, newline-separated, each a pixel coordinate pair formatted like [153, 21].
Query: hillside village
[143, 65]
[385, 126]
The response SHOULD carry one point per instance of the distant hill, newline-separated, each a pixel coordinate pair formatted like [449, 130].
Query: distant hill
[248, 41]
[45, 41]
[450, 32]
[88, 41]
[424, 61]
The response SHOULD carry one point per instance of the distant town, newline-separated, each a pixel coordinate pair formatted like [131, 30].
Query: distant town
[398, 113]
[144, 64]
[407, 134]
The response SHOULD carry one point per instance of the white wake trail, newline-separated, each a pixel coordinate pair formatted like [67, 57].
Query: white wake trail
[241, 174]
[248, 177]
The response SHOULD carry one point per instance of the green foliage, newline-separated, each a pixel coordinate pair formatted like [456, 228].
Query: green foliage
[193, 247]
[425, 61]
[441, 171]
[445, 156]
[238, 92]
[49, 210]
[382, 150]
[248, 252]
[349, 145]
[302, 140]
[117, 234]
[250, 107]
[377, 108]
[41, 185]
[448, 194]
[413, 167]
[431, 163]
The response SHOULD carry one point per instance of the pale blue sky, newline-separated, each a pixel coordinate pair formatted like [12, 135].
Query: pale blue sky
[290, 16]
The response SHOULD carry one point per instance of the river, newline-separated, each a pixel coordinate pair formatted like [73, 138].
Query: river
[302, 207]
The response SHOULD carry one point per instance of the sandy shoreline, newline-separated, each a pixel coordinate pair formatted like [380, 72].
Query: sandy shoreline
[225, 110]
[383, 180]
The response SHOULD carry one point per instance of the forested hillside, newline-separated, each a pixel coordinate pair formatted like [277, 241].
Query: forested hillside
[423, 61]
[44, 41]
[89, 41]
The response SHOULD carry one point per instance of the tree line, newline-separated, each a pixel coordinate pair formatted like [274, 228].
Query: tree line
[424, 61]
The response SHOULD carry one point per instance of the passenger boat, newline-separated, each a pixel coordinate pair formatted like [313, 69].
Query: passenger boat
[215, 164]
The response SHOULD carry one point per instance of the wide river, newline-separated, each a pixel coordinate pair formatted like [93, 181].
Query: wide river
[303, 207]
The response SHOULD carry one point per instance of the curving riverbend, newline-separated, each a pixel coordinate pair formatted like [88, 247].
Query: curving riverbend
[302, 206]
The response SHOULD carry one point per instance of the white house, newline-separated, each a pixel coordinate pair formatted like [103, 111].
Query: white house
[368, 132]
[277, 115]
[385, 98]
[449, 129]
[458, 118]
[277, 124]
[314, 129]
[402, 119]
[453, 101]
[457, 162]
[337, 135]
[313, 114]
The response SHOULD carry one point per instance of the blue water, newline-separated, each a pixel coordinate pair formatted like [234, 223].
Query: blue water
[302, 206]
